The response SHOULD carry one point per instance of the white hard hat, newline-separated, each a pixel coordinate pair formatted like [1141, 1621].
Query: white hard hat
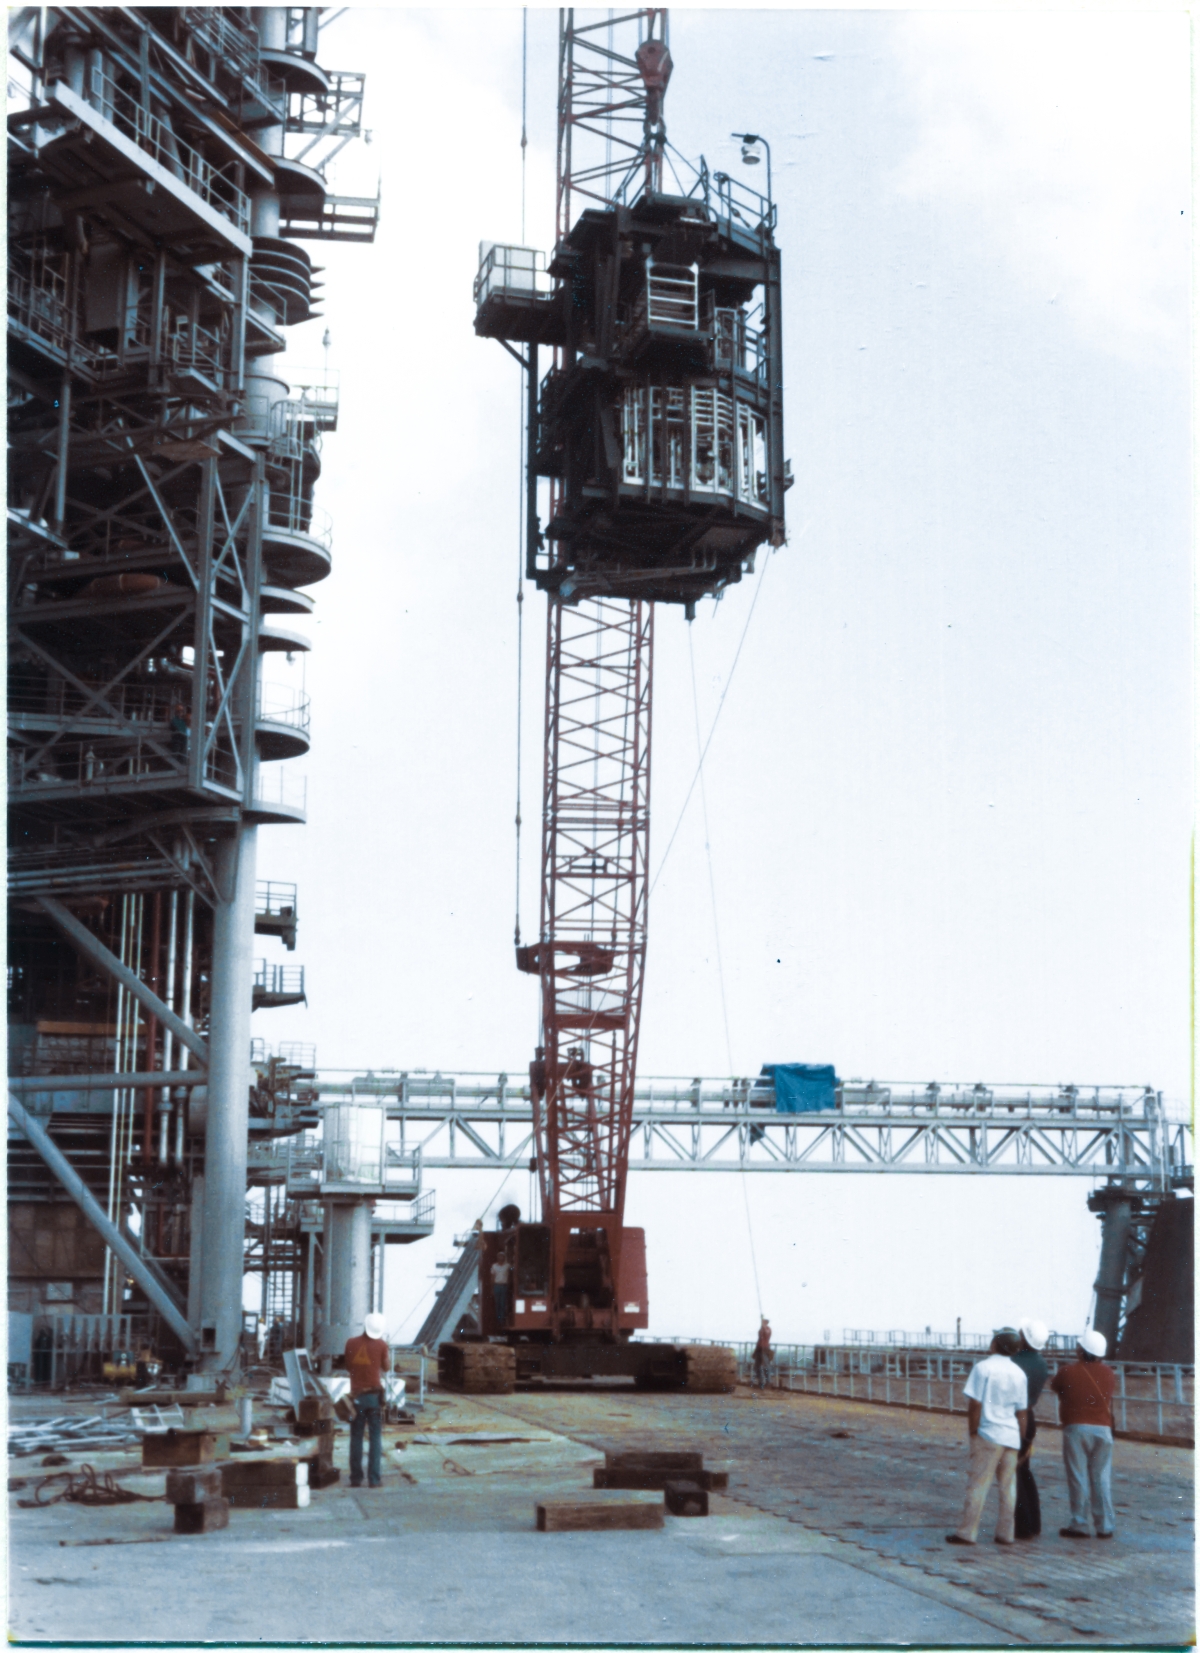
[373, 1325]
[1035, 1333]
[1093, 1343]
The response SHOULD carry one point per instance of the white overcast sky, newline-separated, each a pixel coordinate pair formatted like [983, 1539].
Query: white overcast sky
[949, 792]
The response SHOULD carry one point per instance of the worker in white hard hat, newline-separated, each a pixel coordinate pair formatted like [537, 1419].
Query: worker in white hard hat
[1034, 1337]
[367, 1359]
[1085, 1389]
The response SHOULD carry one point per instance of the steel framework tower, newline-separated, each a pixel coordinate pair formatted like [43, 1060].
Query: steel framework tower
[165, 166]
[659, 427]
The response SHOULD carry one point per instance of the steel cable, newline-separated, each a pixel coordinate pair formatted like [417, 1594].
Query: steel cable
[86, 1488]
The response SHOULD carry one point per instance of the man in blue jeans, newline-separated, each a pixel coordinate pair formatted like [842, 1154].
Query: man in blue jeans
[367, 1359]
[1085, 1390]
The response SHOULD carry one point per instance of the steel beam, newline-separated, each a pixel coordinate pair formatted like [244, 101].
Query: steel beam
[94, 949]
[58, 1163]
[39, 1082]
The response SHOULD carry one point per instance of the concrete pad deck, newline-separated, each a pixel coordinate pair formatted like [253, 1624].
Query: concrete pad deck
[446, 1550]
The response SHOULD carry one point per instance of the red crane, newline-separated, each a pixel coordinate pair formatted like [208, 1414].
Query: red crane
[659, 427]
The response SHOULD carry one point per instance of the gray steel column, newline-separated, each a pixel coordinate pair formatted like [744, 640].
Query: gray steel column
[195, 1252]
[225, 1136]
[1115, 1208]
[348, 1237]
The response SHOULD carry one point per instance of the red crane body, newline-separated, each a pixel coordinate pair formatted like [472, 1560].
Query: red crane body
[659, 426]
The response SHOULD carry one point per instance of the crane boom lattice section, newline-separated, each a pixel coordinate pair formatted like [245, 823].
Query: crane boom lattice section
[592, 949]
[609, 108]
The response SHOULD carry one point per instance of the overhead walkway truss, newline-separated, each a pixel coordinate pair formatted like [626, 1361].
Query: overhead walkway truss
[485, 1122]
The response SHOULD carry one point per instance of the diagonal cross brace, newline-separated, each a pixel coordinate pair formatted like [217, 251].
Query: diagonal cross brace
[56, 1160]
[94, 949]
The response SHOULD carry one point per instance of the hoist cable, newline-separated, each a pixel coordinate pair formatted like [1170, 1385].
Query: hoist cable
[712, 890]
[521, 525]
[712, 887]
[704, 753]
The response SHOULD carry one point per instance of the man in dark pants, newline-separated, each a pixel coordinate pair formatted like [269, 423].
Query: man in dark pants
[367, 1359]
[1034, 1338]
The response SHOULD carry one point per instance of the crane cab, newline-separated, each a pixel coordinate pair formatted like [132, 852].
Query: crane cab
[582, 1275]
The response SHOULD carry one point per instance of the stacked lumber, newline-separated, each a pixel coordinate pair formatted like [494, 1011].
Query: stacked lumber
[196, 1495]
[647, 1470]
[266, 1483]
[178, 1448]
[477, 1368]
[321, 1472]
[685, 1498]
[710, 1370]
[600, 1512]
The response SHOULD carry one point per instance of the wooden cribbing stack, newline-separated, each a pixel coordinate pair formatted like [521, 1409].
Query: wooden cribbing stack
[600, 1512]
[315, 1420]
[654, 1470]
[625, 1492]
[178, 1448]
[266, 1483]
[196, 1495]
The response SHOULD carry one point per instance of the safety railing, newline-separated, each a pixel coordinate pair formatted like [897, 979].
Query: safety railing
[57, 698]
[293, 513]
[737, 347]
[317, 1166]
[38, 296]
[274, 899]
[516, 272]
[279, 980]
[289, 1053]
[191, 348]
[295, 426]
[315, 397]
[290, 707]
[671, 297]
[276, 788]
[1151, 1399]
[223, 33]
[116, 763]
[156, 137]
[334, 112]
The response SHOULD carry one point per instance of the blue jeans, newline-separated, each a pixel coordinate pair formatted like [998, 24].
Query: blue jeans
[368, 1413]
[500, 1303]
[1087, 1458]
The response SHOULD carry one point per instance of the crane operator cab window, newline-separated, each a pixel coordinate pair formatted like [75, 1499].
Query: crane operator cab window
[533, 1260]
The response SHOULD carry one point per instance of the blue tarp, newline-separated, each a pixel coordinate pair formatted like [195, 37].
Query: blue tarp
[802, 1087]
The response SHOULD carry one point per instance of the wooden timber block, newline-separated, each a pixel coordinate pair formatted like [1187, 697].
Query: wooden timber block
[634, 1459]
[209, 1515]
[314, 1409]
[715, 1479]
[323, 1426]
[685, 1498]
[193, 1486]
[584, 1513]
[477, 1368]
[710, 1370]
[177, 1448]
[322, 1474]
[293, 1497]
[263, 1472]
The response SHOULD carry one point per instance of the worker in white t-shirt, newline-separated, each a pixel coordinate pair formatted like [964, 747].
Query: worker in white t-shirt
[501, 1274]
[997, 1420]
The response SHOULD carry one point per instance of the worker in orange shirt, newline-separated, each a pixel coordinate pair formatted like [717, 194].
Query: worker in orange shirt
[762, 1354]
[367, 1359]
[1085, 1389]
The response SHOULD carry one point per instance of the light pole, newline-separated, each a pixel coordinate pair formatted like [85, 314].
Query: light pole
[749, 158]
